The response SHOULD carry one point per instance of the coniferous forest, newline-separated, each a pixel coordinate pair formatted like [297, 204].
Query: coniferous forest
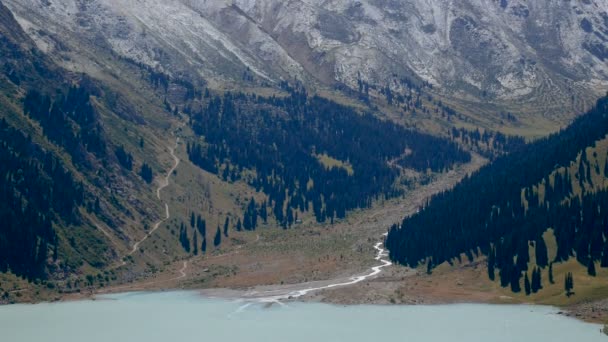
[497, 212]
[281, 137]
[36, 192]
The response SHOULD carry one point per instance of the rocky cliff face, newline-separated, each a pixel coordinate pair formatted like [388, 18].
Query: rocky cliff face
[511, 51]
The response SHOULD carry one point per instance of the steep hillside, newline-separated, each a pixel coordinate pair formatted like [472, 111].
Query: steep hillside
[61, 169]
[484, 56]
[119, 171]
[556, 183]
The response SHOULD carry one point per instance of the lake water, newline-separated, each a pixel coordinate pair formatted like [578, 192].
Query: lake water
[186, 316]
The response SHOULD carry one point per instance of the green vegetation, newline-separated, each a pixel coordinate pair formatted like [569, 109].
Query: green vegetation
[499, 210]
[277, 140]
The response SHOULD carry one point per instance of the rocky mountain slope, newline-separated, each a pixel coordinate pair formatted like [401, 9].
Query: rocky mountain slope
[547, 58]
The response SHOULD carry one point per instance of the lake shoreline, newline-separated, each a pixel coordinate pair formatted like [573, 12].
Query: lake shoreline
[585, 312]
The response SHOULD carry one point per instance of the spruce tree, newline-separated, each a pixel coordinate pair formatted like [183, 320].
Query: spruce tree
[183, 238]
[542, 259]
[146, 173]
[217, 240]
[606, 167]
[192, 220]
[264, 211]
[604, 260]
[536, 281]
[195, 243]
[551, 280]
[204, 245]
[527, 284]
[201, 225]
[569, 284]
[491, 263]
[591, 268]
[515, 275]
[226, 225]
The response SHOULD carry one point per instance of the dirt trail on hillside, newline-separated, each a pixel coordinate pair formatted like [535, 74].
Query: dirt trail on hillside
[165, 181]
[164, 184]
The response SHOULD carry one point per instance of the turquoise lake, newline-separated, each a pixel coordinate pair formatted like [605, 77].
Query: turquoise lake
[186, 316]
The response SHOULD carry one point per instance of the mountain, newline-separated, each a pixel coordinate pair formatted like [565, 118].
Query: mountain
[547, 59]
[130, 127]
[556, 184]
[113, 172]
[62, 178]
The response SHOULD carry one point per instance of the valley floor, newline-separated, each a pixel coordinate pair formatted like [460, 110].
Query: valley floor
[272, 262]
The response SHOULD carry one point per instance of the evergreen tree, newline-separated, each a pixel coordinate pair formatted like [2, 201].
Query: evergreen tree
[542, 259]
[183, 238]
[591, 268]
[124, 158]
[551, 280]
[192, 219]
[146, 173]
[527, 284]
[569, 284]
[195, 243]
[491, 263]
[226, 225]
[290, 218]
[239, 225]
[201, 225]
[515, 275]
[264, 212]
[217, 240]
[606, 167]
[204, 245]
[536, 280]
[604, 258]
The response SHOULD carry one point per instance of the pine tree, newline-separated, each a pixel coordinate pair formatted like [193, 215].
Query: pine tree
[201, 225]
[146, 173]
[527, 284]
[491, 263]
[551, 280]
[591, 268]
[183, 238]
[226, 225]
[606, 167]
[204, 245]
[604, 260]
[217, 240]
[264, 212]
[569, 284]
[290, 218]
[536, 280]
[239, 225]
[195, 243]
[515, 275]
[541, 253]
[192, 220]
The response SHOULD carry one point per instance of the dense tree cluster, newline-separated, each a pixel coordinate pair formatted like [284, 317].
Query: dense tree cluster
[488, 214]
[125, 159]
[146, 173]
[184, 239]
[488, 143]
[35, 191]
[69, 120]
[280, 138]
